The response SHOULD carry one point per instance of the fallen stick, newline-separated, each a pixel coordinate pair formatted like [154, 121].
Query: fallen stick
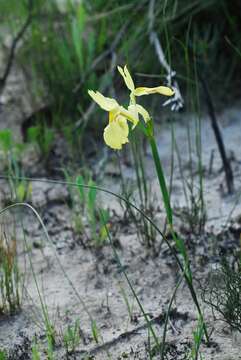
[218, 136]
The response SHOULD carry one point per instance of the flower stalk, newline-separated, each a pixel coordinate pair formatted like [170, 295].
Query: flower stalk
[116, 135]
[160, 173]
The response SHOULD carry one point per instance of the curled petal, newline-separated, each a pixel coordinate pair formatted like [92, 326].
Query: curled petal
[105, 103]
[162, 90]
[133, 111]
[116, 133]
[127, 77]
[144, 113]
[138, 109]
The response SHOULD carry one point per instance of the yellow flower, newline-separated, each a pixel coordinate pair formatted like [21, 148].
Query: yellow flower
[139, 91]
[117, 131]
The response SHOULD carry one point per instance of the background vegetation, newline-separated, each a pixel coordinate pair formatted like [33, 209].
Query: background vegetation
[69, 47]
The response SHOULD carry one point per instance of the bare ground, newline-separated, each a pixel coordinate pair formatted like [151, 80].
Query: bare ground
[96, 275]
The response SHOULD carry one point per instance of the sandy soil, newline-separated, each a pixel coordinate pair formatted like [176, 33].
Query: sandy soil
[96, 276]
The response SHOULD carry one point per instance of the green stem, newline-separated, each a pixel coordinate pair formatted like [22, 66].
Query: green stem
[167, 317]
[161, 177]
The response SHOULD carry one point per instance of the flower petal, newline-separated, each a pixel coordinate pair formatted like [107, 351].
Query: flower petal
[131, 114]
[105, 103]
[116, 133]
[144, 113]
[134, 113]
[138, 109]
[162, 90]
[114, 113]
[127, 77]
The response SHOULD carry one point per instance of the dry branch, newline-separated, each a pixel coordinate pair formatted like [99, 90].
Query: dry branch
[218, 136]
[176, 101]
[13, 47]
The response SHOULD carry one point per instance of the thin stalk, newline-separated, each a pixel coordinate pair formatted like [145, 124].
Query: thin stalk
[136, 165]
[127, 194]
[167, 316]
[161, 179]
[137, 152]
[172, 160]
[179, 160]
[199, 149]
[47, 322]
[189, 96]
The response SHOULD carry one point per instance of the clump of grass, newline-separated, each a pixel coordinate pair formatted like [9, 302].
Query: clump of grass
[10, 278]
[35, 351]
[3, 355]
[146, 233]
[195, 353]
[85, 218]
[48, 349]
[129, 305]
[10, 155]
[89, 201]
[71, 337]
[42, 137]
[223, 293]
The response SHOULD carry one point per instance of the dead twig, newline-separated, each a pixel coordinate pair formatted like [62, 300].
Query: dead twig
[14, 44]
[218, 136]
[176, 101]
